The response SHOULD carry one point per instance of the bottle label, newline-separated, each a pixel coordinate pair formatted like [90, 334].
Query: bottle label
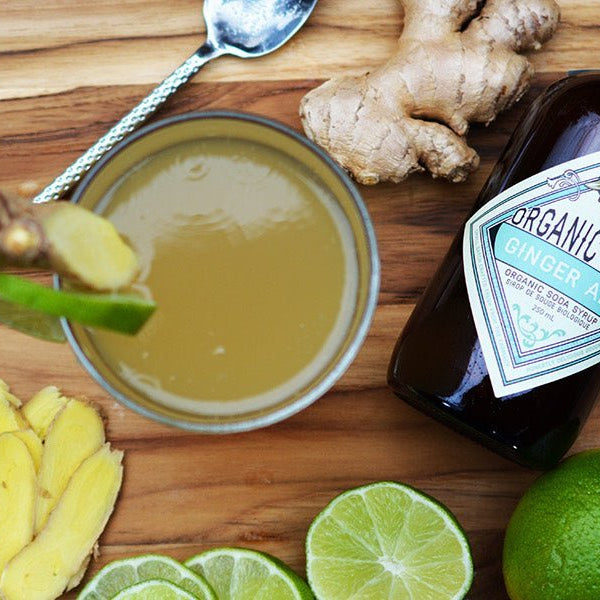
[532, 267]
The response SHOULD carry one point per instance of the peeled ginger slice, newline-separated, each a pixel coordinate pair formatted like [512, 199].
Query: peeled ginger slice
[88, 248]
[10, 419]
[17, 496]
[4, 391]
[76, 432]
[34, 445]
[43, 569]
[42, 408]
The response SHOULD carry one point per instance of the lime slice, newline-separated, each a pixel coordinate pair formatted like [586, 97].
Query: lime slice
[242, 574]
[387, 540]
[122, 574]
[154, 589]
[31, 322]
[120, 312]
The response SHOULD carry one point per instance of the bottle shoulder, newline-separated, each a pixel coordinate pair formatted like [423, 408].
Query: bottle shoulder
[562, 124]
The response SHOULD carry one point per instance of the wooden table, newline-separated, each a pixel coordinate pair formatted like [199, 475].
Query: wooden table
[69, 69]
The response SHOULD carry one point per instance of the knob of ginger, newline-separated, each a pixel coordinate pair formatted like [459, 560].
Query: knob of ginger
[67, 239]
[458, 62]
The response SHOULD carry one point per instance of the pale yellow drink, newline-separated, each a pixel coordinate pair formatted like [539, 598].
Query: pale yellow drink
[251, 263]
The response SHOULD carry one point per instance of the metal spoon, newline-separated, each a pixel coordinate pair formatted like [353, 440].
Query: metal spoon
[244, 28]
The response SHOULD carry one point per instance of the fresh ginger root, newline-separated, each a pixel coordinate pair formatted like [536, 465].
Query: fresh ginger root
[67, 239]
[453, 67]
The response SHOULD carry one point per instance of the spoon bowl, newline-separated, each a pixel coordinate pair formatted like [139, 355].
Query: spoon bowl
[252, 28]
[243, 28]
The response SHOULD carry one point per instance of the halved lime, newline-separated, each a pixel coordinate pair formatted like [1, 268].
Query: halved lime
[122, 574]
[121, 312]
[387, 540]
[154, 589]
[242, 574]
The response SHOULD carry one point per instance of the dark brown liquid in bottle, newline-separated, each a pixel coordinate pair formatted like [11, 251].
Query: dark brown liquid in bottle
[438, 365]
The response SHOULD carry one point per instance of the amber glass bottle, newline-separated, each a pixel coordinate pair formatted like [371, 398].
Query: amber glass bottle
[438, 365]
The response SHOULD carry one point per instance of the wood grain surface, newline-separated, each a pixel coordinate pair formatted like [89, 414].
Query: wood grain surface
[71, 68]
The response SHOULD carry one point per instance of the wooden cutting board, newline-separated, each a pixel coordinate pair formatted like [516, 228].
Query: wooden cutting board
[69, 69]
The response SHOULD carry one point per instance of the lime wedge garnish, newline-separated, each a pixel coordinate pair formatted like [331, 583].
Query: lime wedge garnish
[31, 322]
[122, 574]
[121, 312]
[387, 540]
[241, 574]
[154, 589]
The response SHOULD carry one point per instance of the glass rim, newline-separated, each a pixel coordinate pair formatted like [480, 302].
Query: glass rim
[334, 370]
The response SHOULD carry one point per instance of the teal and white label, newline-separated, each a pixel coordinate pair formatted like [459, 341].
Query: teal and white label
[532, 266]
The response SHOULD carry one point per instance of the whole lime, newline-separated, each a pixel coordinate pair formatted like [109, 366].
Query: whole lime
[552, 544]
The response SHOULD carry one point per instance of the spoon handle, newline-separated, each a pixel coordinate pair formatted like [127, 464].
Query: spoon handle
[128, 123]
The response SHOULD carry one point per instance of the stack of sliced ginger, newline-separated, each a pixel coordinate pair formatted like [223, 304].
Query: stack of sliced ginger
[59, 480]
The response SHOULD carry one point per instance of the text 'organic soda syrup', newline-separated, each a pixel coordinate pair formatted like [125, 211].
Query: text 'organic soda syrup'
[504, 344]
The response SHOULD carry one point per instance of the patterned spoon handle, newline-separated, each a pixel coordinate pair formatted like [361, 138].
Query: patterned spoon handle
[130, 122]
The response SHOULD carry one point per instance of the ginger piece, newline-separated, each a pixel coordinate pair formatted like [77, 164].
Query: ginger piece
[10, 418]
[42, 408]
[33, 443]
[453, 67]
[75, 580]
[76, 433]
[17, 496]
[43, 569]
[5, 391]
[67, 239]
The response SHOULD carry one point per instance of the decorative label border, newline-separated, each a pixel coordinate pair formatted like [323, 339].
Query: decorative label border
[514, 367]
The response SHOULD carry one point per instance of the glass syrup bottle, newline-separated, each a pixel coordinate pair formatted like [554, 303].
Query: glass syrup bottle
[438, 363]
